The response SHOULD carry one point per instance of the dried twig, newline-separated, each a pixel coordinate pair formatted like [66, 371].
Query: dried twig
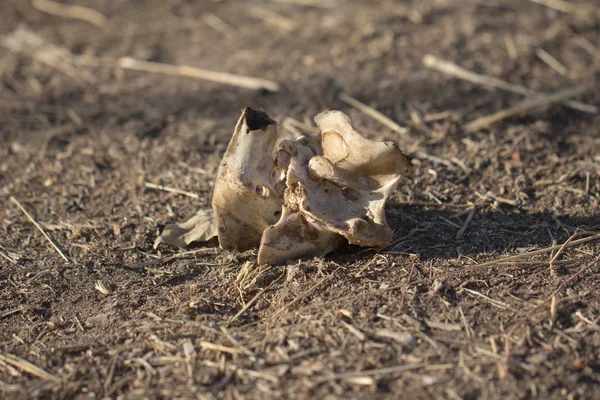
[219, 25]
[9, 258]
[465, 225]
[198, 73]
[506, 260]
[70, 11]
[273, 18]
[542, 305]
[101, 287]
[217, 347]
[326, 4]
[39, 227]
[22, 40]
[551, 61]
[373, 113]
[384, 371]
[494, 302]
[511, 259]
[562, 248]
[170, 189]
[246, 307]
[459, 72]
[568, 7]
[26, 366]
[11, 312]
[525, 106]
[307, 293]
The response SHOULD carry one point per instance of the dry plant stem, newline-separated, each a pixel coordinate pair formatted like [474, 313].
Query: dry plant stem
[536, 252]
[542, 305]
[562, 248]
[170, 189]
[38, 226]
[217, 347]
[383, 371]
[568, 7]
[459, 72]
[70, 11]
[307, 293]
[552, 62]
[11, 312]
[225, 78]
[245, 308]
[433, 205]
[462, 230]
[325, 4]
[506, 260]
[7, 257]
[219, 25]
[273, 18]
[28, 367]
[24, 41]
[525, 106]
[373, 113]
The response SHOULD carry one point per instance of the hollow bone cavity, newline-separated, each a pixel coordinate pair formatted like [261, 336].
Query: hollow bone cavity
[304, 200]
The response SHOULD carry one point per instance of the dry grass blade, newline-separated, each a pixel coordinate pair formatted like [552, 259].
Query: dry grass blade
[39, 227]
[562, 248]
[23, 40]
[568, 7]
[28, 367]
[225, 78]
[219, 25]
[525, 106]
[170, 189]
[273, 18]
[11, 312]
[245, 308]
[459, 72]
[465, 225]
[508, 260]
[355, 331]
[369, 264]
[99, 286]
[552, 62]
[433, 205]
[6, 256]
[217, 347]
[325, 4]
[373, 113]
[536, 252]
[549, 300]
[307, 293]
[70, 11]
[383, 371]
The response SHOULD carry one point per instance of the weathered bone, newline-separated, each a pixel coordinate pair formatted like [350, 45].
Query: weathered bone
[199, 228]
[303, 200]
[340, 193]
[248, 187]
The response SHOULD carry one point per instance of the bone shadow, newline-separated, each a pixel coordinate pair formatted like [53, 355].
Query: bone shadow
[432, 233]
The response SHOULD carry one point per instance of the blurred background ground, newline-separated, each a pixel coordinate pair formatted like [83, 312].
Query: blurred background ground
[82, 137]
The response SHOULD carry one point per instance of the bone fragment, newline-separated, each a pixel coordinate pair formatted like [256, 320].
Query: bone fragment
[303, 199]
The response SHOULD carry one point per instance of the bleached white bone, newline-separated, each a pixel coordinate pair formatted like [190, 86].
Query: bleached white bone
[304, 199]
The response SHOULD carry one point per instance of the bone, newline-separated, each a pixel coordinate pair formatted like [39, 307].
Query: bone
[304, 198]
[248, 189]
[339, 193]
[199, 228]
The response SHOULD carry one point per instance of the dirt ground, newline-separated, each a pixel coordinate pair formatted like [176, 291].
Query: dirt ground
[438, 314]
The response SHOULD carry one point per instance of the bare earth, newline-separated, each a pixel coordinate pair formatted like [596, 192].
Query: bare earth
[435, 315]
